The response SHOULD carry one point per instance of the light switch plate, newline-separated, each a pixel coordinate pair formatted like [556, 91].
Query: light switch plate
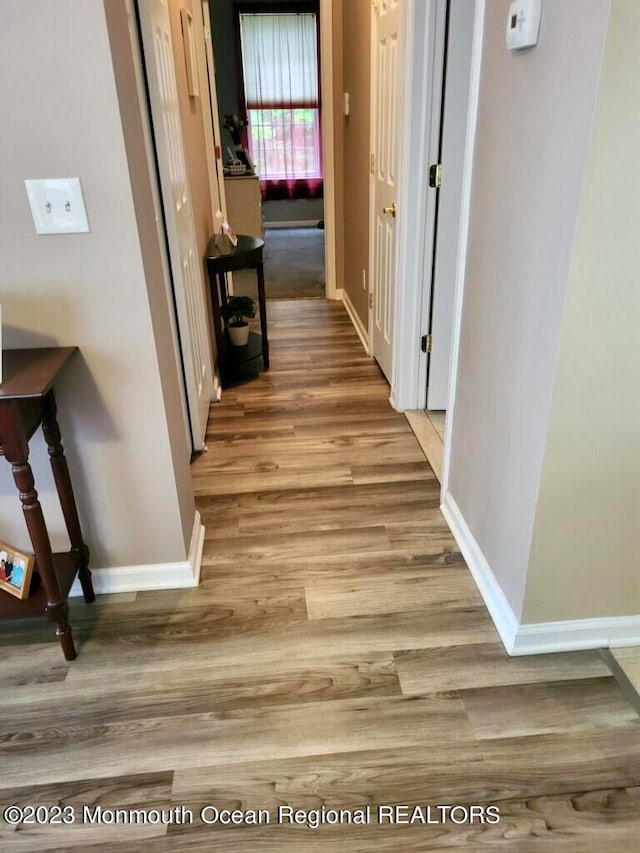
[523, 24]
[57, 206]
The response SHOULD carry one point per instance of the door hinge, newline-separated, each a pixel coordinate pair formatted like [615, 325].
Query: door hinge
[207, 33]
[426, 343]
[374, 5]
[371, 299]
[372, 164]
[435, 175]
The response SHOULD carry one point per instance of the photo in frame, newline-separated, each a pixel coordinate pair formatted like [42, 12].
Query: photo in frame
[16, 569]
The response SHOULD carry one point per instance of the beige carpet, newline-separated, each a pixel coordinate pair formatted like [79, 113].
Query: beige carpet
[293, 265]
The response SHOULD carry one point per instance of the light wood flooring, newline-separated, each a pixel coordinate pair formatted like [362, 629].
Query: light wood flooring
[336, 655]
[428, 428]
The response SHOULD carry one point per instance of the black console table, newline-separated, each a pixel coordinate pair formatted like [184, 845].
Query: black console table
[222, 257]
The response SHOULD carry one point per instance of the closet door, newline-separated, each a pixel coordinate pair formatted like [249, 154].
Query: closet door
[186, 268]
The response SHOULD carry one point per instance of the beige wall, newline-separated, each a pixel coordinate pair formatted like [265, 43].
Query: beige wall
[130, 467]
[535, 113]
[357, 66]
[585, 557]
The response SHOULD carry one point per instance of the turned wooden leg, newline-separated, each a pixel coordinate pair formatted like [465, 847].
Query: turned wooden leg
[262, 301]
[16, 451]
[64, 488]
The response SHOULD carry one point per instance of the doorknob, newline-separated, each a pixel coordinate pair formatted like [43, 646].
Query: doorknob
[391, 209]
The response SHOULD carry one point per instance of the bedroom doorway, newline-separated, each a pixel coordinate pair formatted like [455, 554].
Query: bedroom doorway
[270, 62]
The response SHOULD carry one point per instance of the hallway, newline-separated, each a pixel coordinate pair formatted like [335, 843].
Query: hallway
[336, 654]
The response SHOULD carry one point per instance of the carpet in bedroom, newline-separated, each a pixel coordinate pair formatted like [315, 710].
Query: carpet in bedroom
[293, 265]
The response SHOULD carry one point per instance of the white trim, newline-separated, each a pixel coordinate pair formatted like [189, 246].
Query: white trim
[576, 634]
[463, 239]
[302, 223]
[211, 87]
[423, 33]
[181, 575]
[534, 638]
[359, 326]
[328, 142]
[499, 608]
[217, 387]
[373, 70]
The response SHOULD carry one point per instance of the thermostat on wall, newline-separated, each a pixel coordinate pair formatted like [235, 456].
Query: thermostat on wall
[523, 23]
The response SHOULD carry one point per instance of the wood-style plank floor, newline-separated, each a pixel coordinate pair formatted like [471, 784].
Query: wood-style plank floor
[336, 655]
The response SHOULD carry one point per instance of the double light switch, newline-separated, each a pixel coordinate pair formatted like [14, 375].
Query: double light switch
[57, 206]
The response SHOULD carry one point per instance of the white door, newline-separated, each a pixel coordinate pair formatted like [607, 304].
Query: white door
[186, 268]
[385, 115]
[456, 103]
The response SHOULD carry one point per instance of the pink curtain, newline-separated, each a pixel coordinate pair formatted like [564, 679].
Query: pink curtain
[280, 70]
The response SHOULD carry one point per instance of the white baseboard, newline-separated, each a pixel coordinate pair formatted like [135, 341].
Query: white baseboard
[301, 223]
[499, 608]
[183, 575]
[359, 326]
[576, 634]
[534, 638]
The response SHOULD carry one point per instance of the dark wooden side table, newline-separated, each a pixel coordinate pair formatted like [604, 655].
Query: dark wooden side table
[26, 401]
[222, 257]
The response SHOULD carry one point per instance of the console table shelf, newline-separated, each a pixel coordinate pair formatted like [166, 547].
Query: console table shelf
[222, 258]
[66, 565]
[27, 402]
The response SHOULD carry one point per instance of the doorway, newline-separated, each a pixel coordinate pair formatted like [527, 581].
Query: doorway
[272, 66]
[458, 41]
[443, 153]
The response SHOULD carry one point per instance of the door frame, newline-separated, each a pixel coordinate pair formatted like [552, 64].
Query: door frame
[465, 206]
[328, 148]
[423, 69]
[417, 211]
[209, 107]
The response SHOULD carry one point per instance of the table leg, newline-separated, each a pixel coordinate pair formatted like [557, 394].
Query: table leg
[262, 301]
[224, 291]
[64, 488]
[16, 451]
[223, 350]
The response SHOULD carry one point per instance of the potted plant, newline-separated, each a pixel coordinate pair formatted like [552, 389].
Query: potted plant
[235, 311]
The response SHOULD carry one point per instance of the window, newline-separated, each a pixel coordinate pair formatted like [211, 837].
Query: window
[280, 71]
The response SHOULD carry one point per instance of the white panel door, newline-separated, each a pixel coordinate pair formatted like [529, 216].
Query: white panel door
[186, 267]
[385, 122]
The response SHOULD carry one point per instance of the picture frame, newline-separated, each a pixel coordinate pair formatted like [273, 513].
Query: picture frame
[16, 568]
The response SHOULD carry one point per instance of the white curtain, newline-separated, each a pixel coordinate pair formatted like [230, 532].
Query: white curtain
[279, 59]
[280, 70]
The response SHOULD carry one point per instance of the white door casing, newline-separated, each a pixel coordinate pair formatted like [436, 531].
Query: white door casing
[385, 120]
[211, 119]
[456, 100]
[186, 268]
[421, 73]
[332, 286]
